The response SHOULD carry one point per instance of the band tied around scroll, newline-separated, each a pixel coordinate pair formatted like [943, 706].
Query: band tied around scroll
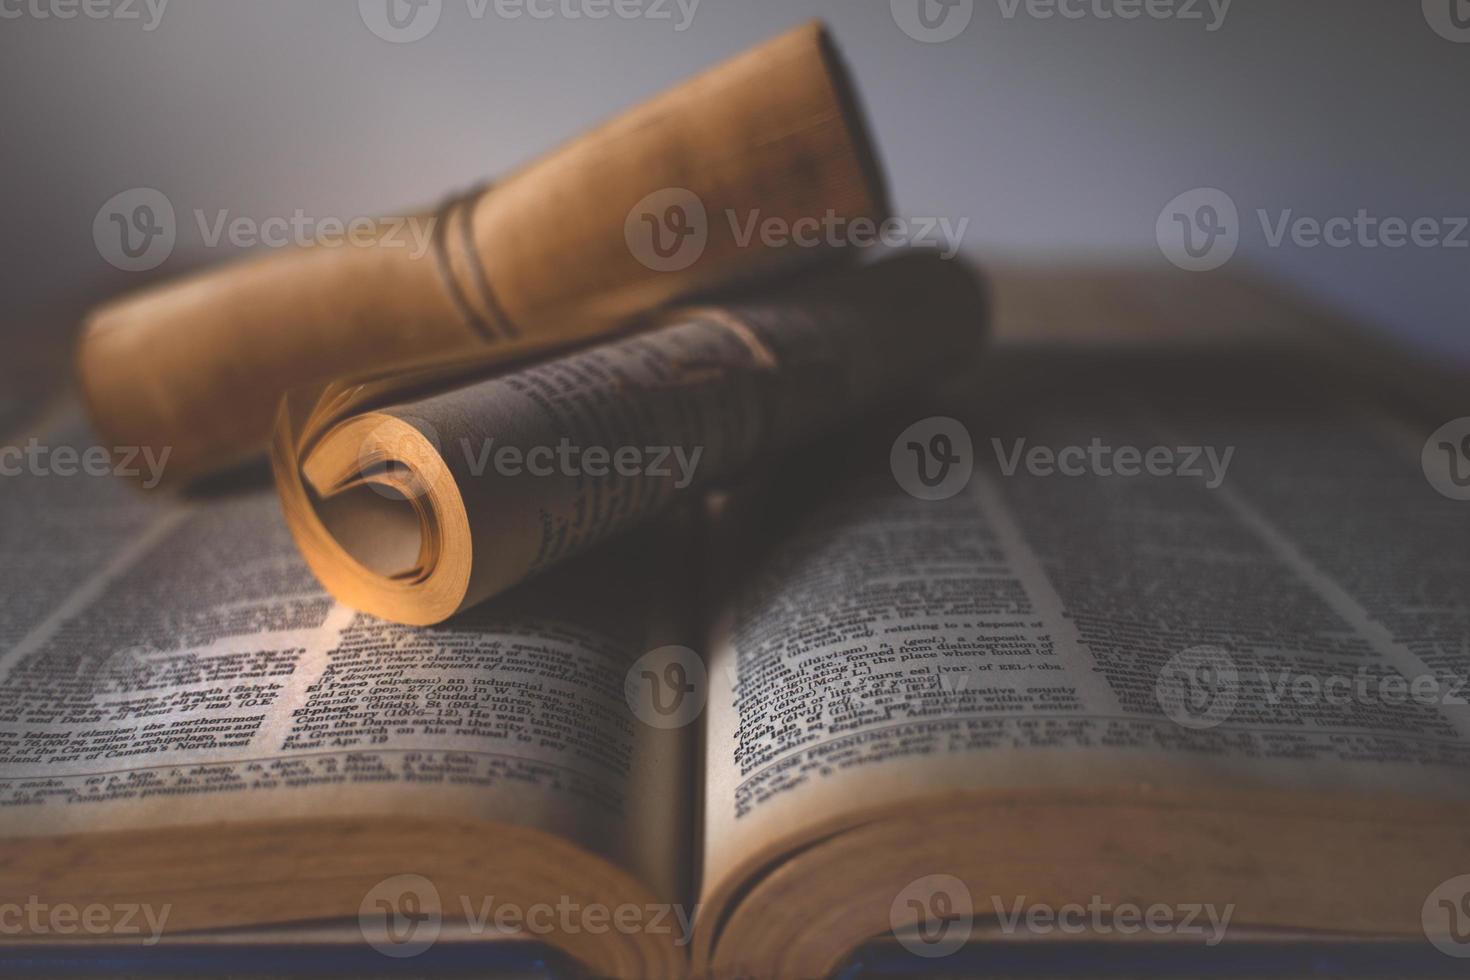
[459, 209]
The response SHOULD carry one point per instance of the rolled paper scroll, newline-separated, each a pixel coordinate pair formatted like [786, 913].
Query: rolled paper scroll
[415, 506]
[649, 207]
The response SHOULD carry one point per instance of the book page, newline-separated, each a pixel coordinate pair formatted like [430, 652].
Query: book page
[170, 663]
[1281, 604]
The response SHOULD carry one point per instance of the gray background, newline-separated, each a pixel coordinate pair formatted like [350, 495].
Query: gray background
[1050, 135]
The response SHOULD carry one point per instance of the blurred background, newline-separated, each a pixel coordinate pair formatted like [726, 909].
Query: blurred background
[1035, 127]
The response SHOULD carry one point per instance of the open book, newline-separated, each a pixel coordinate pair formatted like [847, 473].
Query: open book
[895, 687]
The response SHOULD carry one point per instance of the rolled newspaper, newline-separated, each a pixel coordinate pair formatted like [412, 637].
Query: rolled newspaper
[415, 503]
[649, 207]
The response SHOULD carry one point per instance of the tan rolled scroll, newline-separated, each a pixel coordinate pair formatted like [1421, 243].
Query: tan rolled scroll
[415, 507]
[650, 206]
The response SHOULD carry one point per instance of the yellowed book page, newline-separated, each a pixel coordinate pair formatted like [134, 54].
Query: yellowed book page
[1280, 606]
[175, 664]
